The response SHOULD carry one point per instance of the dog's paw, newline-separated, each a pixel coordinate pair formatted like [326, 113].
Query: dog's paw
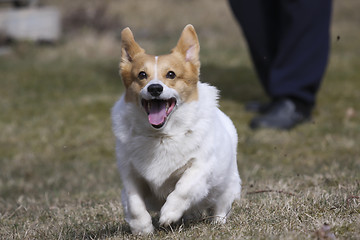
[141, 226]
[143, 231]
[220, 220]
[169, 217]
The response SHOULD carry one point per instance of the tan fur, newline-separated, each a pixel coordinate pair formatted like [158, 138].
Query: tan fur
[183, 60]
[129, 74]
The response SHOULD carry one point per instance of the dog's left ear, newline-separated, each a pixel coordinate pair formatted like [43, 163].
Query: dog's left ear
[188, 45]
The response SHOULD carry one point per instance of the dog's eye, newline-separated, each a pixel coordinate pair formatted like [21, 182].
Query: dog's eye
[142, 75]
[170, 75]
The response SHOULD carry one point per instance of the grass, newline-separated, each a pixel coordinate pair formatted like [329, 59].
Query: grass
[58, 177]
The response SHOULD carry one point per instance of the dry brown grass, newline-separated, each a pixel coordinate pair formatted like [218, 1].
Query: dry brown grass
[58, 177]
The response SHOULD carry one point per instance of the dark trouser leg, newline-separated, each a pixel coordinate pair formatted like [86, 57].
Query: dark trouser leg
[303, 48]
[289, 44]
[258, 19]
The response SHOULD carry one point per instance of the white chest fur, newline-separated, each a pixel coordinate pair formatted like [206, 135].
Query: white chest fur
[157, 155]
[160, 159]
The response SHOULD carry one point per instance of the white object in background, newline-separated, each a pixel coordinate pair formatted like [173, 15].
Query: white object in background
[37, 24]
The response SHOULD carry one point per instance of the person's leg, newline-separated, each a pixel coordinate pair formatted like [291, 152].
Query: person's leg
[289, 44]
[299, 63]
[259, 21]
[302, 51]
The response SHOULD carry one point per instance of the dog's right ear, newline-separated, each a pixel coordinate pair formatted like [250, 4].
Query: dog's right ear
[129, 48]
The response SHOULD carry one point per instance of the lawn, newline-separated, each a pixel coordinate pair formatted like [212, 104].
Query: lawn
[58, 176]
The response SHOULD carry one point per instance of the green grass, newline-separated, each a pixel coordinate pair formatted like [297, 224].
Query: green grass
[58, 177]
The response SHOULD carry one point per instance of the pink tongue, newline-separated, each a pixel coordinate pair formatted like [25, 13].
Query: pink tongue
[157, 112]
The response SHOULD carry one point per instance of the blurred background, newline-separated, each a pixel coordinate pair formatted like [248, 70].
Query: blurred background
[156, 24]
[59, 79]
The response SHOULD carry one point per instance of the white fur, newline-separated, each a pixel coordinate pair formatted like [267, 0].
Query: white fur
[187, 166]
[155, 67]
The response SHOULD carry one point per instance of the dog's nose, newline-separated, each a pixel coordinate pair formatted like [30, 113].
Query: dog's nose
[155, 90]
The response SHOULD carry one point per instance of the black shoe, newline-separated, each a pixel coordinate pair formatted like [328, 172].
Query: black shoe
[281, 114]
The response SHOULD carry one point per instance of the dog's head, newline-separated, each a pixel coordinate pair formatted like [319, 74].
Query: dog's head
[160, 84]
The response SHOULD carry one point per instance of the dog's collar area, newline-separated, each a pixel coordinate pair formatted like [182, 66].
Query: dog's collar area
[158, 110]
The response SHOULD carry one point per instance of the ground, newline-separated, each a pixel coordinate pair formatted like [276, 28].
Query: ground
[58, 177]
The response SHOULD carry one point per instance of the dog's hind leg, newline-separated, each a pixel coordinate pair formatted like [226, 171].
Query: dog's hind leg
[224, 202]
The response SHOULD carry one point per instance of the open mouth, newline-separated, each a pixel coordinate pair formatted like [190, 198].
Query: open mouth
[158, 110]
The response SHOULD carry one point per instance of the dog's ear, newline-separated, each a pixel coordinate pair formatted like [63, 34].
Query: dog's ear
[129, 48]
[188, 45]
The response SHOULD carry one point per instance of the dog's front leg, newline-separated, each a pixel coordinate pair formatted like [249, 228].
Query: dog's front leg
[191, 188]
[135, 210]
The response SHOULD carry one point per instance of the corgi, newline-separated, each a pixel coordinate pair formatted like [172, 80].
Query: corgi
[176, 151]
